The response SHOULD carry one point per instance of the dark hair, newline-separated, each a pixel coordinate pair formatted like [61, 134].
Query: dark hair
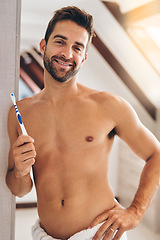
[80, 17]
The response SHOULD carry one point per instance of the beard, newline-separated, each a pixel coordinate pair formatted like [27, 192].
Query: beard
[57, 74]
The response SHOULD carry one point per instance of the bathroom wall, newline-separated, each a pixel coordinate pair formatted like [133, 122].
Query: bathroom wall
[9, 62]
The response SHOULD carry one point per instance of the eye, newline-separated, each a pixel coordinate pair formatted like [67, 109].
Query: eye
[60, 42]
[77, 49]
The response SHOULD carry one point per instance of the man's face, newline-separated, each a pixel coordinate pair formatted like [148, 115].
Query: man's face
[65, 50]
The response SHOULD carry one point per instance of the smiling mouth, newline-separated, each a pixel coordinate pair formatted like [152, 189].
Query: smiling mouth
[64, 64]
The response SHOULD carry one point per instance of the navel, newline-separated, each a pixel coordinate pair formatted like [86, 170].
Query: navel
[89, 138]
[62, 202]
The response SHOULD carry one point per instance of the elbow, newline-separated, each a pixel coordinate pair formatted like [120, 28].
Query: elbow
[20, 193]
[157, 157]
[153, 165]
[18, 190]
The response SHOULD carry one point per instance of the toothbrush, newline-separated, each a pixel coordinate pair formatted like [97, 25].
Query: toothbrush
[24, 132]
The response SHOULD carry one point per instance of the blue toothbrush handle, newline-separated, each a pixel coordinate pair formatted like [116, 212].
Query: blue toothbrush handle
[24, 132]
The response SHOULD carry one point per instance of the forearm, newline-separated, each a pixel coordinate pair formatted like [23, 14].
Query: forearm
[18, 186]
[148, 185]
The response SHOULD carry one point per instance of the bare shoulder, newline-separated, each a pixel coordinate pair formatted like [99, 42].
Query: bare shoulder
[105, 99]
[117, 108]
[116, 103]
[29, 105]
[96, 94]
[121, 110]
[28, 101]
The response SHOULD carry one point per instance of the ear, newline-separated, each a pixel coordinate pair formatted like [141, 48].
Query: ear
[85, 58]
[42, 45]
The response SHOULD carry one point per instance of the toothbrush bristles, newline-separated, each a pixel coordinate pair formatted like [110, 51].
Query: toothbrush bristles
[13, 98]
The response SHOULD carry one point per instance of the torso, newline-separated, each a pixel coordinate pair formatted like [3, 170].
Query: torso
[73, 144]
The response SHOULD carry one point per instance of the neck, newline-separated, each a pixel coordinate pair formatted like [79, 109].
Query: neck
[59, 91]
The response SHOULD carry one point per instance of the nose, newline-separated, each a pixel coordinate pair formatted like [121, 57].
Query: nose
[67, 53]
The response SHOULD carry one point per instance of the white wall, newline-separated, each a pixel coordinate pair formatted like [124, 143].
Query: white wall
[126, 52]
[9, 61]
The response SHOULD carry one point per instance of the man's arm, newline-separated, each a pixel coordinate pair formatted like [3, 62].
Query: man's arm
[21, 158]
[146, 146]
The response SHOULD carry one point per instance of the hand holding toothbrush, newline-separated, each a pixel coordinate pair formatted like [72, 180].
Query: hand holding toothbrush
[24, 155]
[23, 150]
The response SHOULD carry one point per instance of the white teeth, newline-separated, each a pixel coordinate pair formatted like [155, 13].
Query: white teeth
[65, 64]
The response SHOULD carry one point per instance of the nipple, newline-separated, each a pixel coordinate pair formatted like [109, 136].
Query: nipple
[89, 138]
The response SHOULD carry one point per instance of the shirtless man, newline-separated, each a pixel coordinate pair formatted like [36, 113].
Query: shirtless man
[71, 131]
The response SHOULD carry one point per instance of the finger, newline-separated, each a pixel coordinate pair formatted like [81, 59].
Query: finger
[102, 230]
[27, 155]
[111, 231]
[29, 162]
[22, 139]
[25, 148]
[118, 234]
[26, 164]
[20, 158]
[24, 169]
[101, 218]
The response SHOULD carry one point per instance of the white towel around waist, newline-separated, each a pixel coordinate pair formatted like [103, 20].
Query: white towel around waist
[38, 233]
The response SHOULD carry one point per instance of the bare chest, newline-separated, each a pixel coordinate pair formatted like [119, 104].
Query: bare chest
[69, 127]
[69, 138]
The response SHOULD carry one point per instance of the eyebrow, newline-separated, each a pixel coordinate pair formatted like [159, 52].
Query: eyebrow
[60, 36]
[65, 38]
